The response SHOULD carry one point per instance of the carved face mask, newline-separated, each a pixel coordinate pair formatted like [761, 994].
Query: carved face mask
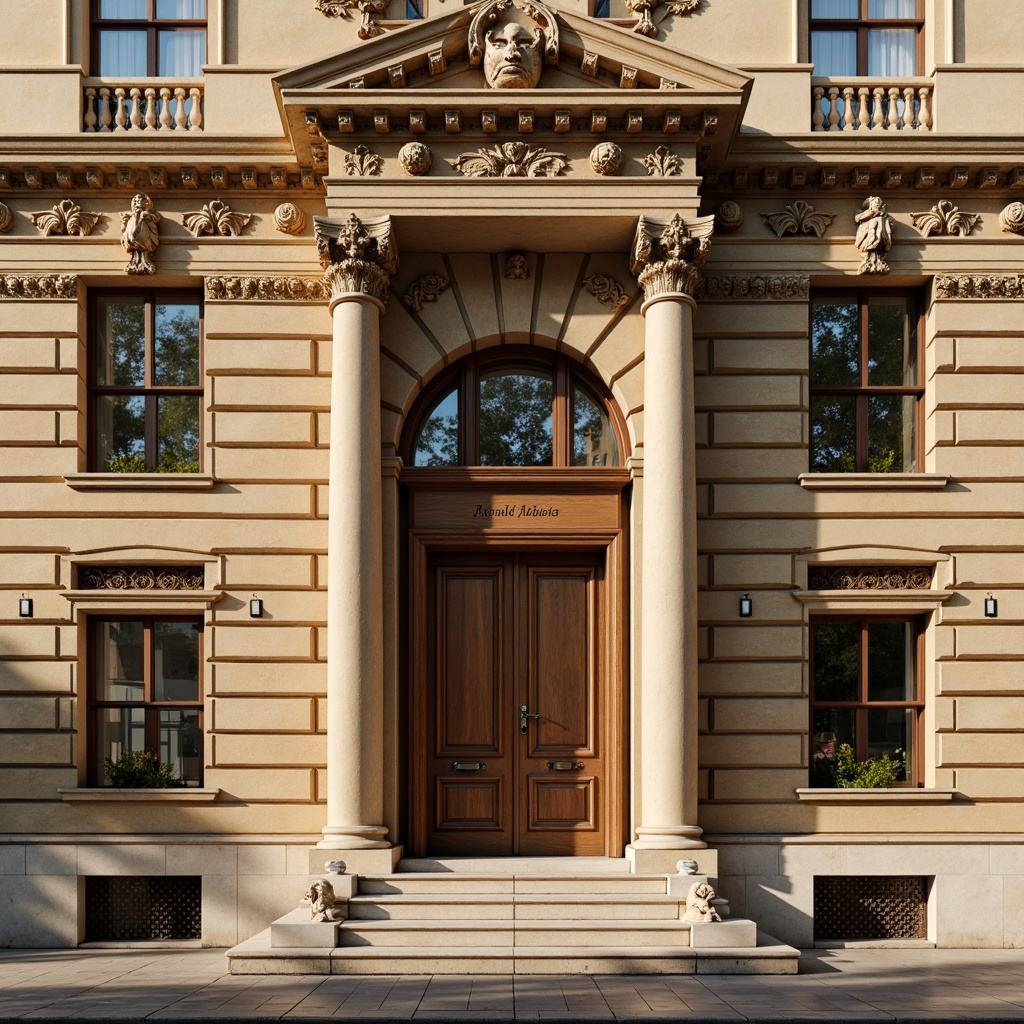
[512, 57]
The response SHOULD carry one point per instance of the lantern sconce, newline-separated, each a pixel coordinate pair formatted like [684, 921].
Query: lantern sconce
[255, 608]
[25, 607]
[746, 607]
[991, 607]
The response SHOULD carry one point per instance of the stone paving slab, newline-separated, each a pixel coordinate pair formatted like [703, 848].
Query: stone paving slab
[860, 986]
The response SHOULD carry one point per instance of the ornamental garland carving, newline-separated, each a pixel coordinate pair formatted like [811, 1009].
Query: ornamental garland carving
[309, 289]
[216, 218]
[362, 163]
[757, 288]
[368, 28]
[140, 577]
[606, 290]
[357, 256]
[982, 287]
[1011, 219]
[663, 163]
[426, 289]
[46, 286]
[668, 258]
[869, 577]
[798, 218]
[511, 160]
[945, 219]
[66, 218]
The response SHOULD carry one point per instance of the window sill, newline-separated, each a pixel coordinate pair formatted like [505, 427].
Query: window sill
[139, 481]
[114, 600]
[108, 794]
[898, 598]
[896, 795]
[873, 481]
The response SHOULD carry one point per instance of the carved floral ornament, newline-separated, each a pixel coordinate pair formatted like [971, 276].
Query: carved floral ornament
[642, 10]
[66, 218]
[798, 218]
[1011, 219]
[985, 286]
[6, 218]
[511, 160]
[606, 290]
[668, 258]
[869, 577]
[45, 286]
[663, 163]
[757, 288]
[362, 163]
[140, 577]
[301, 289]
[216, 218]
[358, 256]
[368, 9]
[945, 219]
[425, 289]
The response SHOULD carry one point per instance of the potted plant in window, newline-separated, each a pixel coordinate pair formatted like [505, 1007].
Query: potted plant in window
[834, 766]
[139, 769]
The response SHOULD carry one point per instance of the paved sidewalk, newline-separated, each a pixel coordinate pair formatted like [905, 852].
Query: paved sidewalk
[191, 985]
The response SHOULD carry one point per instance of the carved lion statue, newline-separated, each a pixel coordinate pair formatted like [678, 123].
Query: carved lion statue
[321, 900]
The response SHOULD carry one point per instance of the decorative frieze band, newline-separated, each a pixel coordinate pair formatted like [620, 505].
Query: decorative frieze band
[990, 286]
[46, 286]
[756, 288]
[308, 289]
[869, 577]
[140, 577]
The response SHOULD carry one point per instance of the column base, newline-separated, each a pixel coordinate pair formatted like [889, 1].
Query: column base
[354, 837]
[658, 848]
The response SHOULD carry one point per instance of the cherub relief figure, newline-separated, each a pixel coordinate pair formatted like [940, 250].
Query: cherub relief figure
[139, 235]
[512, 43]
[874, 236]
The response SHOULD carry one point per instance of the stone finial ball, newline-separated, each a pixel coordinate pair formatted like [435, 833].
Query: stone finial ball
[415, 158]
[606, 158]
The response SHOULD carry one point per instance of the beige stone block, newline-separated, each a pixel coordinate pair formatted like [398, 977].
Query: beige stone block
[202, 859]
[285, 606]
[254, 569]
[264, 898]
[755, 464]
[20, 569]
[989, 639]
[990, 714]
[736, 391]
[943, 715]
[264, 355]
[264, 429]
[758, 429]
[735, 355]
[235, 750]
[722, 606]
[969, 606]
[263, 714]
[752, 570]
[952, 922]
[981, 750]
[980, 677]
[122, 859]
[783, 906]
[35, 749]
[270, 393]
[757, 642]
[294, 464]
[960, 390]
[28, 713]
[1006, 858]
[47, 859]
[984, 569]
[759, 714]
[975, 462]
[622, 346]
[261, 860]
[762, 784]
[740, 857]
[35, 783]
[1013, 911]
[990, 784]
[220, 908]
[29, 426]
[277, 320]
[284, 677]
[826, 858]
[48, 390]
[12, 859]
[300, 858]
[764, 750]
[988, 426]
[751, 319]
[398, 384]
[260, 784]
[988, 354]
[421, 339]
[262, 640]
[41, 354]
[22, 925]
[557, 286]
[39, 462]
[474, 276]
[769, 677]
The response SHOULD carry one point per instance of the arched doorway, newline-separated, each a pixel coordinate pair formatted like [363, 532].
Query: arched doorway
[516, 525]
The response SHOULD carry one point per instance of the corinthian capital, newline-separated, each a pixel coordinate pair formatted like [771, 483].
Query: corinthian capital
[667, 258]
[357, 256]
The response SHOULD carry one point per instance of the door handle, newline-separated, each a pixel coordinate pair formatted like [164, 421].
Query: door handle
[565, 766]
[524, 715]
[469, 766]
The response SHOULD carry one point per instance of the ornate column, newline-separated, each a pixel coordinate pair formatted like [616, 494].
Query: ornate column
[667, 259]
[359, 257]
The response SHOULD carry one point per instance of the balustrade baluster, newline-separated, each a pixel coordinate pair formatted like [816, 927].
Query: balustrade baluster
[151, 108]
[104, 109]
[849, 118]
[924, 113]
[863, 107]
[90, 110]
[136, 115]
[165, 108]
[817, 114]
[894, 110]
[908, 106]
[833, 109]
[121, 114]
[877, 115]
[196, 113]
[179, 108]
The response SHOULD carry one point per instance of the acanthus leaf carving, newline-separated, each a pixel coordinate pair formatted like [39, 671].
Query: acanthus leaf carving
[663, 163]
[798, 218]
[945, 219]
[668, 258]
[511, 160]
[358, 256]
[425, 289]
[66, 218]
[643, 9]
[606, 290]
[363, 163]
[216, 218]
[368, 28]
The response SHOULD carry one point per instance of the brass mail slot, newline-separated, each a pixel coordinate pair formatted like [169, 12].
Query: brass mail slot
[564, 766]
[469, 766]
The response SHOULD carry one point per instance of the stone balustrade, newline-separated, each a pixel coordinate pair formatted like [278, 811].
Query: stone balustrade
[867, 104]
[148, 104]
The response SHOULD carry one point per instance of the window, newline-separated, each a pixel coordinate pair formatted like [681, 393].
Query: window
[145, 382]
[146, 38]
[865, 391]
[866, 689]
[144, 693]
[499, 410]
[866, 37]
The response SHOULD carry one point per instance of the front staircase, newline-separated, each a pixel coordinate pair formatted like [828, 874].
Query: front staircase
[547, 916]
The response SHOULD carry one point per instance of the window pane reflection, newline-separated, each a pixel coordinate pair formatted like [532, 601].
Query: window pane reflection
[121, 341]
[176, 344]
[516, 418]
[117, 730]
[835, 344]
[836, 661]
[890, 661]
[833, 434]
[437, 443]
[176, 668]
[179, 744]
[891, 422]
[593, 440]
[119, 666]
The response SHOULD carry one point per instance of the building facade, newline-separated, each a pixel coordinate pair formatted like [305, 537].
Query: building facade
[512, 431]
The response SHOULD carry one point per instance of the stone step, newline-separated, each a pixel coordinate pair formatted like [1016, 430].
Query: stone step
[516, 865]
[496, 882]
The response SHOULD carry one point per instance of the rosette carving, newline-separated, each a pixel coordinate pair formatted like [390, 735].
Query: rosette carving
[6, 218]
[357, 256]
[869, 577]
[729, 216]
[140, 577]
[415, 158]
[1012, 218]
[668, 258]
[289, 219]
[606, 158]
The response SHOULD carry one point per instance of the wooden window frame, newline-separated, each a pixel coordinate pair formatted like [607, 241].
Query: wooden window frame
[862, 24]
[149, 391]
[151, 25]
[865, 391]
[150, 707]
[465, 376]
[863, 705]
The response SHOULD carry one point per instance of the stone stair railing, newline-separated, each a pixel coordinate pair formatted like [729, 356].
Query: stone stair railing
[868, 104]
[146, 104]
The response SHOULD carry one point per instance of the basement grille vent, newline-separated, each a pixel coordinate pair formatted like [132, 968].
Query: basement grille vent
[121, 909]
[870, 907]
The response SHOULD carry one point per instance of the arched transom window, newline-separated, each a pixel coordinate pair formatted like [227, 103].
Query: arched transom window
[510, 408]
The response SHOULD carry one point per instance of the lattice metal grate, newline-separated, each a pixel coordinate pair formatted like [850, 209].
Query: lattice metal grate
[122, 909]
[870, 907]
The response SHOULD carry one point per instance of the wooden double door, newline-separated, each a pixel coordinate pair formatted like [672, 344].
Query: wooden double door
[518, 711]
